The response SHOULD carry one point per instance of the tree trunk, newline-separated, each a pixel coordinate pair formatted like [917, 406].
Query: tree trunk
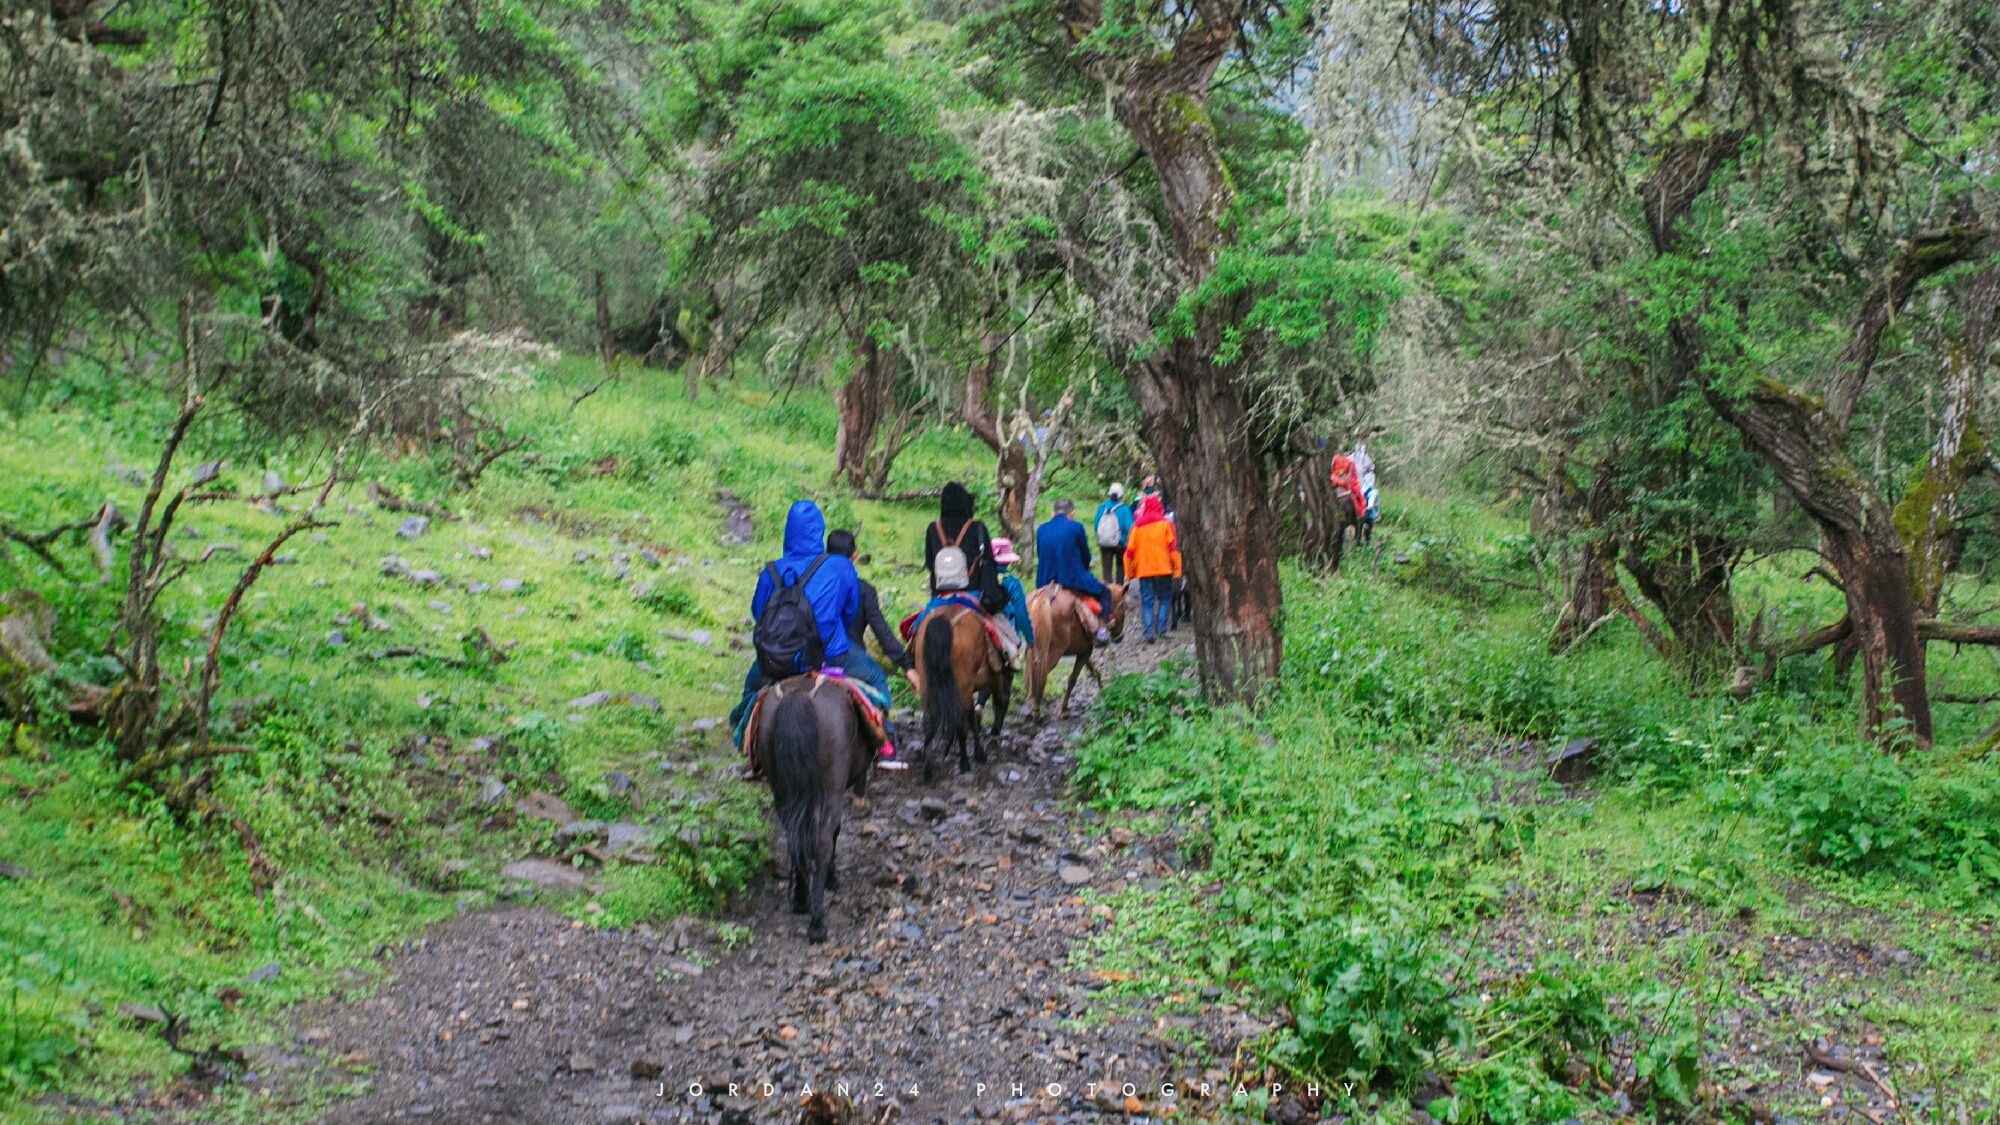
[1928, 515]
[604, 343]
[1228, 538]
[1688, 582]
[1192, 408]
[864, 402]
[1011, 474]
[1596, 576]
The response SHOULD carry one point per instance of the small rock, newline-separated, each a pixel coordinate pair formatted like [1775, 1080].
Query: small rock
[273, 482]
[646, 1068]
[482, 552]
[492, 793]
[394, 566]
[426, 577]
[543, 873]
[483, 743]
[585, 702]
[703, 724]
[641, 700]
[933, 809]
[1287, 1111]
[441, 607]
[336, 639]
[700, 636]
[684, 968]
[544, 806]
[986, 1110]
[1074, 874]
[1574, 762]
[228, 994]
[577, 828]
[413, 527]
[264, 974]
[581, 557]
[476, 587]
[452, 867]
[582, 1064]
[507, 585]
[15, 872]
[143, 1013]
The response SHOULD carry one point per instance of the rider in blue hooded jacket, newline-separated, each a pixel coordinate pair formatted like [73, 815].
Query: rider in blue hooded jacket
[834, 592]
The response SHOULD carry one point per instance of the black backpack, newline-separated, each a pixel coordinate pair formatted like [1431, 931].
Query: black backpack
[787, 635]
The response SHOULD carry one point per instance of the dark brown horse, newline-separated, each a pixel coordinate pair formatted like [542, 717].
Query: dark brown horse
[810, 739]
[1058, 633]
[956, 660]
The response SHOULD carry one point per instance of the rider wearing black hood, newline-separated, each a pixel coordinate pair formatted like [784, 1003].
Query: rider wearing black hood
[955, 508]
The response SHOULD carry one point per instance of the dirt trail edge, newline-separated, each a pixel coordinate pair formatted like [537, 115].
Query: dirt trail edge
[942, 993]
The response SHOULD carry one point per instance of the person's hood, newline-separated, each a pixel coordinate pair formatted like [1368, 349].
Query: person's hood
[1150, 510]
[955, 502]
[805, 530]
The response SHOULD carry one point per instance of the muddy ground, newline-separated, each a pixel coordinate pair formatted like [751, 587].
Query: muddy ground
[942, 993]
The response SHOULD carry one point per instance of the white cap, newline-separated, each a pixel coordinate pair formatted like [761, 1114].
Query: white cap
[1117, 492]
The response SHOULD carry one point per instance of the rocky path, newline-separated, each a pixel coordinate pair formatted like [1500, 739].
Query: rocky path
[944, 992]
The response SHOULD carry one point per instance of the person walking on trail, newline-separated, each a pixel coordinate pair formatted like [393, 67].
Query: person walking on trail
[1153, 559]
[958, 554]
[870, 618]
[1062, 556]
[1113, 522]
[1017, 598]
[831, 593]
[1364, 471]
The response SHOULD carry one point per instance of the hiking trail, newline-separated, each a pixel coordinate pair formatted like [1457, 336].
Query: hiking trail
[945, 979]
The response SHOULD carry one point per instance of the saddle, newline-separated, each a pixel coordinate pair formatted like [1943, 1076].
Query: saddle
[996, 631]
[871, 715]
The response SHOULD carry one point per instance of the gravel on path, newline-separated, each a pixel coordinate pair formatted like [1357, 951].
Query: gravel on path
[943, 993]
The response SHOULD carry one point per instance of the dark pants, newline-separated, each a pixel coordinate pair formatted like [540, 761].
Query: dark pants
[859, 666]
[1156, 598]
[1113, 560]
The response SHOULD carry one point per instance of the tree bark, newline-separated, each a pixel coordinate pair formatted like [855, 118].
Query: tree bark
[1927, 517]
[1595, 576]
[866, 402]
[604, 342]
[1192, 408]
[1011, 474]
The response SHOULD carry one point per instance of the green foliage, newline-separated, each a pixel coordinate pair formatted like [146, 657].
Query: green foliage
[42, 1015]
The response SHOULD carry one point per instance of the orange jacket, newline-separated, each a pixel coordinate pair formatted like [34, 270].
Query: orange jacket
[1151, 551]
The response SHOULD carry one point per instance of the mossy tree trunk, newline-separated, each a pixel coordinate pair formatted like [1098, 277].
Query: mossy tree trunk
[1193, 408]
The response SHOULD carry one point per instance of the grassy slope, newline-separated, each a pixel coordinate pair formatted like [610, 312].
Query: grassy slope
[366, 780]
[1377, 824]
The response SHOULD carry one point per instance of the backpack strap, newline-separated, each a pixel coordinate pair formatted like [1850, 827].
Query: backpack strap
[807, 576]
[956, 539]
[778, 580]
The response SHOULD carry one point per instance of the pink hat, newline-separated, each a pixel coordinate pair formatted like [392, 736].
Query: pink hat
[1003, 552]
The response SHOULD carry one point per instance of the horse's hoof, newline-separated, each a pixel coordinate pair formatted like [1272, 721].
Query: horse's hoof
[816, 933]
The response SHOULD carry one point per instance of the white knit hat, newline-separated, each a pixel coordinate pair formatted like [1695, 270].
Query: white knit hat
[1118, 492]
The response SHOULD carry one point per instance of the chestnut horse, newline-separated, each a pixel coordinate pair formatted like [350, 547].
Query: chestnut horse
[1058, 633]
[812, 742]
[955, 661]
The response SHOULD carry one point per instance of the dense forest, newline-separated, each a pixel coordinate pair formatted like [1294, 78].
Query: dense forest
[402, 397]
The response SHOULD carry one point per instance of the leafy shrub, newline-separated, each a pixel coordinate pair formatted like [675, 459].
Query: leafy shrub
[672, 600]
[1847, 806]
[41, 1017]
[1372, 1001]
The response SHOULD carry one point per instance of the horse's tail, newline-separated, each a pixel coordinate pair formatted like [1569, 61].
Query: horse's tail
[943, 714]
[795, 774]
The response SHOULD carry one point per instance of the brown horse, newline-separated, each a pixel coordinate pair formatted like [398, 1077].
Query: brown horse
[811, 741]
[1058, 633]
[956, 660]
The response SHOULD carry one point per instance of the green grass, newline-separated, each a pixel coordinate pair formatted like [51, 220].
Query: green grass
[1418, 906]
[365, 781]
